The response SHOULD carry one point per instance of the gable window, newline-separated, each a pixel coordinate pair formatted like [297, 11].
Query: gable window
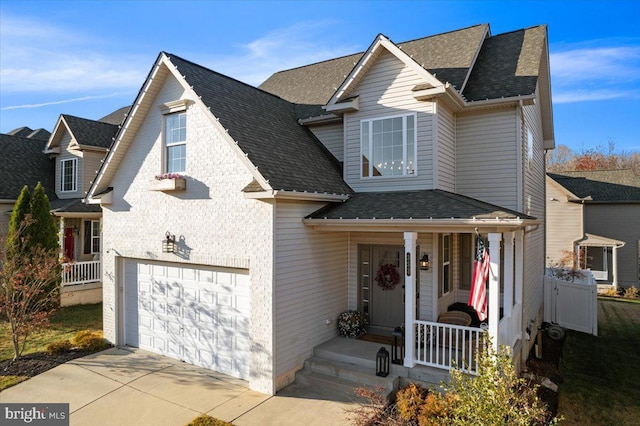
[91, 236]
[388, 146]
[68, 175]
[176, 142]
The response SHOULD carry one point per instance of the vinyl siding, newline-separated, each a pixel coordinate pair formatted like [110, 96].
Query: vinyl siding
[91, 162]
[446, 165]
[487, 157]
[563, 223]
[65, 154]
[310, 286]
[386, 90]
[332, 136]
[621, 222]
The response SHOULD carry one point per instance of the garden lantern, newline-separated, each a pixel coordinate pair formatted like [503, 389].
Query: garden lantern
[382, 362]
[397, 346]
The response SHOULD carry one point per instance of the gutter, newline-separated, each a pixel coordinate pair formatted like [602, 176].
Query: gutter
[295, 195]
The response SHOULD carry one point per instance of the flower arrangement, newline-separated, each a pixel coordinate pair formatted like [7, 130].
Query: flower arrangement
[169, 176]
[351, 324]
[387, 277]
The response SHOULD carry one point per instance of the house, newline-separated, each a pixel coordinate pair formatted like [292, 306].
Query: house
[594, 214]
[239, 222]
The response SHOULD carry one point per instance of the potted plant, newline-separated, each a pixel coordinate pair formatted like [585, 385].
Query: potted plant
[351, 324]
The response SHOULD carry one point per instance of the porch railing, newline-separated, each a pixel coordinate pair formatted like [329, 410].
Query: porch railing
[81, 272]
[447, 346]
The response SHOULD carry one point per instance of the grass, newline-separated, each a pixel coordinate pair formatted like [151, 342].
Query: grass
[601, 374]
[65, 323]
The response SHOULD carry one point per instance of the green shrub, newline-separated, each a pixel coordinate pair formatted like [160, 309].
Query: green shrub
[60, 347]
[631, 293]
[206, 420]
[91, 341]
[410, 401]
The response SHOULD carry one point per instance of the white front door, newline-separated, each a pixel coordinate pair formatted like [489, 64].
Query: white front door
[196, 314]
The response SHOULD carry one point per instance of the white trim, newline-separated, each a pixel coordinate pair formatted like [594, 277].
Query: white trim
[519, 153]
[410, 272]
[435, 147]
[494, 288]
[446, 263]
[295, 195]
[345, 106]
[174, 106]
[74, 179]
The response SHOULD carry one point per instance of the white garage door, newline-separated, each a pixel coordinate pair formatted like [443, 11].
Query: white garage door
[196, 314]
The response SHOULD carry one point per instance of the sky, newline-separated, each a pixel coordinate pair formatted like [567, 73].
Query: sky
[89, 58]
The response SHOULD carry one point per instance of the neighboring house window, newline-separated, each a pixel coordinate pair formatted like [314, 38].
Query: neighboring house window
[388, 146]
[529, 148]
[91, 236]
[68, 175]
[176, 142]
[446, 263]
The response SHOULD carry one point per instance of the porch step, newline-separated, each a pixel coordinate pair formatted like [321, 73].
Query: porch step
[356, 375]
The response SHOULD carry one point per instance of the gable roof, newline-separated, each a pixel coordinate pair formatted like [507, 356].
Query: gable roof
[22, 132]
[87, 133]
[448, 56]
[117, 116]
[40, 134]
[24, 164]
[600, 186]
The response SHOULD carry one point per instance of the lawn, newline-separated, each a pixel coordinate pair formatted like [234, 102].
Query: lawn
[65, 323]
[602, 374]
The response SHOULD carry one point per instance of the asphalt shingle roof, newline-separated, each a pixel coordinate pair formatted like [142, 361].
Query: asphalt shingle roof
[265, 127]
[117, 116]
[24, 164]
[427, 204]
[448, 56]
[508, 65]
[90, 132]
[601, 185]
[74, 206]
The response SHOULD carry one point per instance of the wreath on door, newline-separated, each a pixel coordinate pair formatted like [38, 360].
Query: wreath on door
[387, 277]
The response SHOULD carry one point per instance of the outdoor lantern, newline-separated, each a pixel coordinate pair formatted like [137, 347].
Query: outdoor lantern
[169, 243]
[397, 346]
[425, 263]
[382, 362]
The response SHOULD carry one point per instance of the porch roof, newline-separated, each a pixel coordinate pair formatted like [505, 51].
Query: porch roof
[420, 207]
[592, 240]
[73, 207]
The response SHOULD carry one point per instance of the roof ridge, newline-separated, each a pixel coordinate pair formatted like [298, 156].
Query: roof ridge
[88, 119]
[518, 30]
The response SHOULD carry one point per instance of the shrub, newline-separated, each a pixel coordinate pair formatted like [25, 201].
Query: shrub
[91, 341]
[437, 409]
[410, 401]
[206, 420]
[611, 291]
[351, 324]
[631, 293]
[60, 347]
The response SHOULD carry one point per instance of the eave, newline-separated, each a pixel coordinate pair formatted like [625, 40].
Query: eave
[296, 195]
[321, 119]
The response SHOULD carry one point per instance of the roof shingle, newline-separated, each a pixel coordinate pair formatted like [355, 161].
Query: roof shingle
[90, 132]
[24, 164]
[601, 185]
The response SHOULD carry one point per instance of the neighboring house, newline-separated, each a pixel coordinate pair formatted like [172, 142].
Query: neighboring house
[24, 164]
[291, 196]
[596, 215]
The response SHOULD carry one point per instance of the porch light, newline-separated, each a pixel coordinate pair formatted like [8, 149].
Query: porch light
[169, 243]
[425, 263]
[382, 362]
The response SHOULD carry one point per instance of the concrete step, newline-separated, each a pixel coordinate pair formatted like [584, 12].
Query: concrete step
[336, 388]
[353, 372]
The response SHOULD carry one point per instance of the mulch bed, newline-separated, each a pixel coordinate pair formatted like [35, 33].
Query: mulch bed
[32, 364]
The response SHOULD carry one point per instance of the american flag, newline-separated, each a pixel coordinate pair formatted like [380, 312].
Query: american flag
[478, 294]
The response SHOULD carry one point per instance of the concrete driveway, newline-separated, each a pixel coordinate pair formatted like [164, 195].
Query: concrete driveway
[135, 387]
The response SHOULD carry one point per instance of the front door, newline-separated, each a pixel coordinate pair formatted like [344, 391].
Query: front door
[383, 299]
[69, 241]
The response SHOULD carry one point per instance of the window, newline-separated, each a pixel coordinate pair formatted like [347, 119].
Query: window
[446, 263]
[176, 142]
[388, 146]
[529, 148]
[68, 172]
[91, 236]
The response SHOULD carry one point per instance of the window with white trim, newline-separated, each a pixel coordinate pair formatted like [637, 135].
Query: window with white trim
[175, 138]
[446, 263]
[91, 236]
[529, 148]
[388, 146]
[68, 175]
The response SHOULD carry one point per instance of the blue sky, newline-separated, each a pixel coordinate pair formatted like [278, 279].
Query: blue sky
[88, 58]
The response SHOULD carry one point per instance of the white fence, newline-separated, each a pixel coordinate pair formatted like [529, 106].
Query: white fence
[573, 305]
[81, 272]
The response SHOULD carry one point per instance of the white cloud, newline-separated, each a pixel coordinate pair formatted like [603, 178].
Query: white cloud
[37, 56]
[300, 44]
[588, 73]
[64, 101]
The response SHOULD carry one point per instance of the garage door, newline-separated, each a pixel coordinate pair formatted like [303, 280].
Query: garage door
[196, 314]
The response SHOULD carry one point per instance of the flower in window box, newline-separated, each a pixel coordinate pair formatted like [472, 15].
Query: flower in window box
[169, 176]
[169, 182]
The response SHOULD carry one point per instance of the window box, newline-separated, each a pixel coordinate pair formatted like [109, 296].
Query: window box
[169, 184]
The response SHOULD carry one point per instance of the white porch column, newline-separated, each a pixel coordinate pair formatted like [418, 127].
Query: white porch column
[508, 273]
[614, 262]
[410, 240]
[61, 237]
[494, 287]
[519, 277]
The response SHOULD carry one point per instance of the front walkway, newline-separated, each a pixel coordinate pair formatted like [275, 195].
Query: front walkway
[135, 387]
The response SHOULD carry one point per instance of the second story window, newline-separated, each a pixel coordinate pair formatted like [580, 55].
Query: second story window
[388, 146]
[68, 175]
[175, 140]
